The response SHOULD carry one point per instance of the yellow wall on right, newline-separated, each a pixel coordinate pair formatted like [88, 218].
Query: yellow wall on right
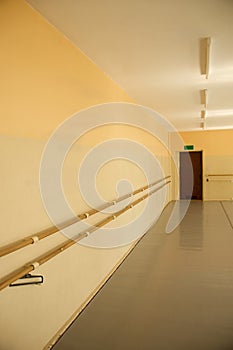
[217, 147]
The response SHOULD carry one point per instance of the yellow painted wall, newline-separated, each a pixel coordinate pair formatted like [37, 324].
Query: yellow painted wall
[217, 146]
[44, 80]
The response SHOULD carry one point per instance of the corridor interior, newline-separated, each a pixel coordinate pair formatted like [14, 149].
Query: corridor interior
[98, 101]
[174, 291]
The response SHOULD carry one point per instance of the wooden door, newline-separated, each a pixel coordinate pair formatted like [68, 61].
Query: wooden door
[191, 171]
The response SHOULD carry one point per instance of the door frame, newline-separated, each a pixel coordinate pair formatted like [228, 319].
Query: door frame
[202, 172]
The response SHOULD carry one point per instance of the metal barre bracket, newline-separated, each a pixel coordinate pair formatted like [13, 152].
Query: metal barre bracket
[28, 279]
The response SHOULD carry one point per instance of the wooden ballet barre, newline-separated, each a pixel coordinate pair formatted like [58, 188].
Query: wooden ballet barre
[219, 180]
[219, 175]
[19, 244]
[30, 266]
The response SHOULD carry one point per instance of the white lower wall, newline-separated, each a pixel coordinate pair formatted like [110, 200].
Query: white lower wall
[32, 315]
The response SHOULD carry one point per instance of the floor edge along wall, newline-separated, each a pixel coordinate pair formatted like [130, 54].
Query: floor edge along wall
[63, 329]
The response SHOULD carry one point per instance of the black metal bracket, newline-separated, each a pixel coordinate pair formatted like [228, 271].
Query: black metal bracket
[28, 279]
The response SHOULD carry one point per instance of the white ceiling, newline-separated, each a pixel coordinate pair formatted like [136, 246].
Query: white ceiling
[151, 48]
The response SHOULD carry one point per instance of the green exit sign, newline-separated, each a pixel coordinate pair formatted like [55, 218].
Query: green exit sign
[189, 147]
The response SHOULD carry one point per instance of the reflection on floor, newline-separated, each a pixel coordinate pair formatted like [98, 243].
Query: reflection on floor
[172, 292]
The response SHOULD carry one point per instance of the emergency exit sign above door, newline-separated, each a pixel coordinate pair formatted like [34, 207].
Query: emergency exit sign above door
[189, 147]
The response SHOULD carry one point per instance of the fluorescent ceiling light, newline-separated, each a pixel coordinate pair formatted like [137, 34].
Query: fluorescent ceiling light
[204, 95]
[205, 45]
[203, 125]
[203, 114]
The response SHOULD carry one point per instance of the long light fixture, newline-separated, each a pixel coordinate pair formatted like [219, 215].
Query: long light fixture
[205, 46]
[203, 125]
[204, 97]
[203, 114]
[205, 56]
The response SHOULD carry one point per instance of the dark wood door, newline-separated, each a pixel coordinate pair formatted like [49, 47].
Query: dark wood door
[191, 175]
